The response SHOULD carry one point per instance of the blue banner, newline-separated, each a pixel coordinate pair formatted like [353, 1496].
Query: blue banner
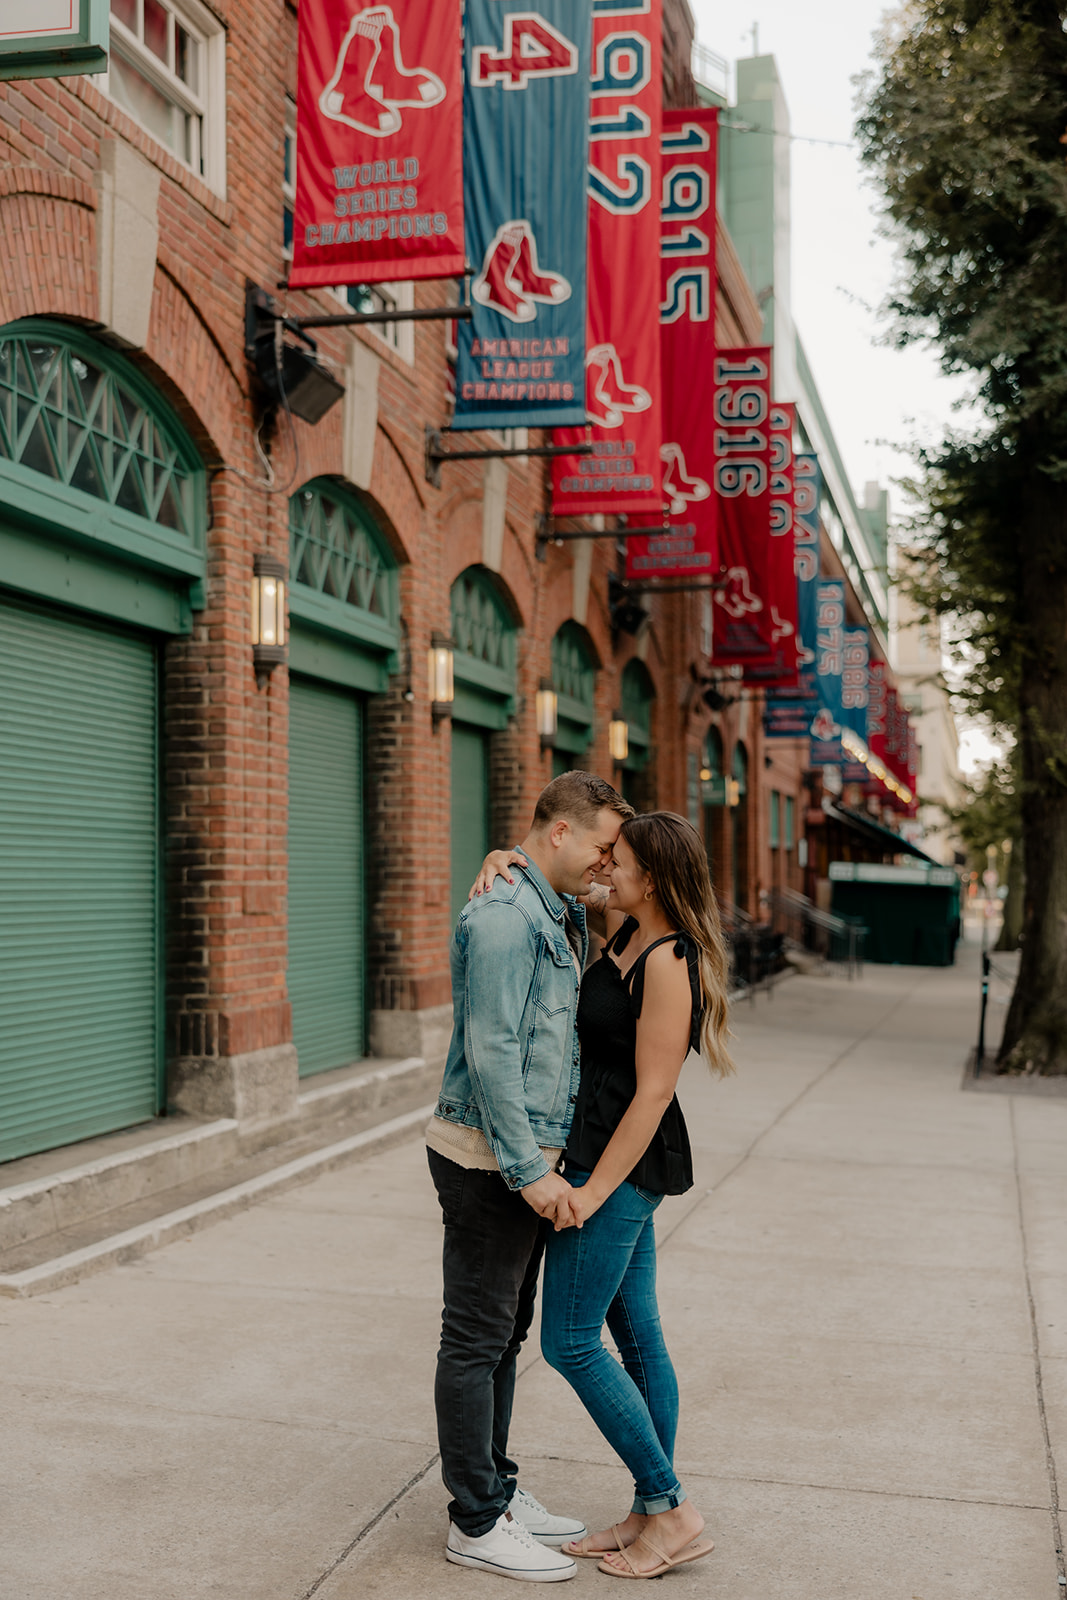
[855, 682]
[788, 713]
[829, 672]
[521, 359]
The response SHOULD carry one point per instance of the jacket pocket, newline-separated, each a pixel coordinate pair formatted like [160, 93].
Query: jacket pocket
[555, 983]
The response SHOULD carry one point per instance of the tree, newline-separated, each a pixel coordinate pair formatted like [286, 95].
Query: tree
[964, 126]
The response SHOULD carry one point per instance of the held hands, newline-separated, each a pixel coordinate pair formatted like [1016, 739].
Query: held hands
[495, 866]
[552, 1197]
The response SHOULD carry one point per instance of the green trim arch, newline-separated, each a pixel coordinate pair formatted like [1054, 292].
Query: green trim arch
[104, 492]
[713, 785]
[739, 766]
[638, 692]
[486, 651]
[344, 589]
[574, 670]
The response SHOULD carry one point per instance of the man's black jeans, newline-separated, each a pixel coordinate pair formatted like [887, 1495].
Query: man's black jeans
[492, 1252]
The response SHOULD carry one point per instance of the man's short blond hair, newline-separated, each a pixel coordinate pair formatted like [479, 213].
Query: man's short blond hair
[579, 798]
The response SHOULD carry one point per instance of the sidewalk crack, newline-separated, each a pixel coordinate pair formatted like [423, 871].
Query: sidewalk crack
[369, 1527]
[1039, 1382]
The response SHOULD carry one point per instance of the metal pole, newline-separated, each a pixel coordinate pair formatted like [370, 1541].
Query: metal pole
[356, 319]
[980, 1054]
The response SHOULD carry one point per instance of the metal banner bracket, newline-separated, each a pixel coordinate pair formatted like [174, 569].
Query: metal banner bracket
[436, 452]
[547, 534]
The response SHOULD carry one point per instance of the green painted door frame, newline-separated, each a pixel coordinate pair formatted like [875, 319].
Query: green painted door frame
[81, 1003]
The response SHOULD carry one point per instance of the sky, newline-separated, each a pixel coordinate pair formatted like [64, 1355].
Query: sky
[878, 399]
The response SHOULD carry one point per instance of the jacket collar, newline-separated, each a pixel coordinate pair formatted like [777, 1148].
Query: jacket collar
[555, 905]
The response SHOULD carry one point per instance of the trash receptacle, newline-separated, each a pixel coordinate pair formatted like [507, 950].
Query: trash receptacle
[912, 912]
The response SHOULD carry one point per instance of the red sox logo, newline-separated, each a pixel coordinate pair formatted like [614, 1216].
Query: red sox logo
[735, 595]
[782, 627]
[608, 395]
[511, 281]
[679, 485]
[824, 727]
[370, 84]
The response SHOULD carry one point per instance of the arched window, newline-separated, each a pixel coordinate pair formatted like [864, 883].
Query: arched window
[574, 671]
[712, 777]
[93, 455]
[638, 693]
[739, 828]
[343, 582]
[67, 413]
[740, 769]
[485, 651]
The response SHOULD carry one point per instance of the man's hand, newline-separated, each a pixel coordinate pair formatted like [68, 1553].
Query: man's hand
[550, 1197]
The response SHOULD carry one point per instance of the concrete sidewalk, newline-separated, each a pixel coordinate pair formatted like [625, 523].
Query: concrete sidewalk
[865, 1294]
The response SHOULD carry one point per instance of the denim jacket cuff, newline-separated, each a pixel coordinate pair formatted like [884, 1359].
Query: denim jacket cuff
[529, 1172]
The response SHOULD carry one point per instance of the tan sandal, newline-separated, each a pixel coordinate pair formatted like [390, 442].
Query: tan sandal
[577, 1547]
[690, 1552]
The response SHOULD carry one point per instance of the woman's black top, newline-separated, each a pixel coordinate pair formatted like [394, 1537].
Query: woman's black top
[608, 1008]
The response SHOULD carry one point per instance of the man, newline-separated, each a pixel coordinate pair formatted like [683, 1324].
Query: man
[507, 1099]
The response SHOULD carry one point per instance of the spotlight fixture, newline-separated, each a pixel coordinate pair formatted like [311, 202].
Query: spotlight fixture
[626, 615]
[290, 376]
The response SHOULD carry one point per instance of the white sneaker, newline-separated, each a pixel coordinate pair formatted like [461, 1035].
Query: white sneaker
[545, 1528]
[509, 1550]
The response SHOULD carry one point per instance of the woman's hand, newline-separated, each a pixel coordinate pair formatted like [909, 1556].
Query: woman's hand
[495, 866]
[582, 1203]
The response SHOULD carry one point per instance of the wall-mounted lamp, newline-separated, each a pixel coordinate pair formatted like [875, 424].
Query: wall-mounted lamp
[733, 792]
[268, 615]
[439, 660]
[547, 714]
[618, 737]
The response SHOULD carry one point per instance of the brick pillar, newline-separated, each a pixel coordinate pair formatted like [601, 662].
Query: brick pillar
[230, 1044]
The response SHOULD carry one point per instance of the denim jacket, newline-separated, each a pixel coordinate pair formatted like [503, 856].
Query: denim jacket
[512, 1066]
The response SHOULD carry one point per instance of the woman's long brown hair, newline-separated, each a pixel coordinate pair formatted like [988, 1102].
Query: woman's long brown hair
[669, 849]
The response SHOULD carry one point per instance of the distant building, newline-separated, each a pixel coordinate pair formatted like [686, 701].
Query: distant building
[917, 661]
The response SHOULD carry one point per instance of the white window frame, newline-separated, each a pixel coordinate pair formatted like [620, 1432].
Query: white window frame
[399, 336]
[209, 106]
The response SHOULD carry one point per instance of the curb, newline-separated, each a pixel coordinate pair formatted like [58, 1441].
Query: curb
[134, 1242]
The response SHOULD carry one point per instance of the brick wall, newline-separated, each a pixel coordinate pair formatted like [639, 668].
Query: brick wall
[225, 740]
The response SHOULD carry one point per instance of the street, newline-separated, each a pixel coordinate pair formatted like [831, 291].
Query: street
[847, 1293]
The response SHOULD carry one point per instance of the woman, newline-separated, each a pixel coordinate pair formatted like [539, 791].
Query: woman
[657, 991]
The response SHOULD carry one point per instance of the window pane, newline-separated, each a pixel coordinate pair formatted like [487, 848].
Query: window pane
[155, 29]
[126, 11]
[142, 100]
[187, 58]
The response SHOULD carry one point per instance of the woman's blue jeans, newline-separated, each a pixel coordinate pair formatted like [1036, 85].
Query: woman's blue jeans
[603, 1272]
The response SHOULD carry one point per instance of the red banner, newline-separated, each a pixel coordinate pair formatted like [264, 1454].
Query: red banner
[379, 181]
[741, 439]
[688, 546]
[780, 669]
[622, 359]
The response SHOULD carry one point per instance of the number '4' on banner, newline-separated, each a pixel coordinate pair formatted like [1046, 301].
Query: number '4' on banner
[521, 360]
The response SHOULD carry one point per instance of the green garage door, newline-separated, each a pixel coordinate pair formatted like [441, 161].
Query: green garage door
[470, 809]
[79, 921]
[326, 912]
